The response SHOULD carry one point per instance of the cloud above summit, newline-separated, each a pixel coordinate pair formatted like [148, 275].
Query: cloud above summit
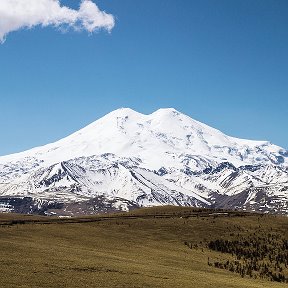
[21, 14]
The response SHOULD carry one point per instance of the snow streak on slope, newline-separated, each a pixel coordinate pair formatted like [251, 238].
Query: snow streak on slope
[157, 159]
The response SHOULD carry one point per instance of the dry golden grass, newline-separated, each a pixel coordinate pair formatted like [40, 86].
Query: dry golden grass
[124, 252]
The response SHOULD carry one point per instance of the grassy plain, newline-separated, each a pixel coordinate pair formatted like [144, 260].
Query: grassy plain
[144, 248]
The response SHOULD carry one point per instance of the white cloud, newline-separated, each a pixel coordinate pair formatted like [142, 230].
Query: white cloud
[19, 14]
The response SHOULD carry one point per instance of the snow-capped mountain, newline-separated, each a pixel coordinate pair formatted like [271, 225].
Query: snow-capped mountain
[127, 159]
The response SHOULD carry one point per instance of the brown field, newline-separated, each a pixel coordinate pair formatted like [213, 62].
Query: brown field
[144, 248]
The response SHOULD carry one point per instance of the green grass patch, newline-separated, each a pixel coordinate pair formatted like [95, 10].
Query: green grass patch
[144, 248]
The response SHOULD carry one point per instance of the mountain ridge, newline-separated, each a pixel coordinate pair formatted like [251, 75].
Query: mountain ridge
[161, 158]
[119, 117]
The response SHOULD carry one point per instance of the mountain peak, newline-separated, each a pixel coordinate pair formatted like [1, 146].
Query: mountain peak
[126, 111]
[123, 112]
[164, 157]
[157, 138]
[169, 110]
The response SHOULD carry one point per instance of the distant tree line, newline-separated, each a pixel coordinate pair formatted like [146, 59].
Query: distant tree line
[255, 256]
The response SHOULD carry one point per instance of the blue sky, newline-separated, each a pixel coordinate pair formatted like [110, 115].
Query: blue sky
[224, 63]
